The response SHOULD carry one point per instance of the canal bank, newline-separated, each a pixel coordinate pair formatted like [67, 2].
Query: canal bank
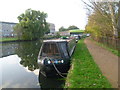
[84, 72]
[13, 39]
[7, 40]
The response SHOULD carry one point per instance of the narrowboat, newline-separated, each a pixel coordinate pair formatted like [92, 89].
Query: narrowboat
[54, 56]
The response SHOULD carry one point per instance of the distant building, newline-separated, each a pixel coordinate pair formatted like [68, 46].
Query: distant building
[6, 29]
[52, 28]
[65, 33]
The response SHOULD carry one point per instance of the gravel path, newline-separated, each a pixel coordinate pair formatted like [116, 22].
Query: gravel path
[107, 62]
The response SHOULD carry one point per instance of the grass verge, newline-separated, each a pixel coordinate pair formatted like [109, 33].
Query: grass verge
[8, 39]
[84, 72]
[108, 48]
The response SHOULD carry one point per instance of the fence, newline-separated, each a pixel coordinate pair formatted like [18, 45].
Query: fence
[109, 41]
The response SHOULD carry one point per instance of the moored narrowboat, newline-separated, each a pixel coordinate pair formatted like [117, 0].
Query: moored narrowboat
[54, 56]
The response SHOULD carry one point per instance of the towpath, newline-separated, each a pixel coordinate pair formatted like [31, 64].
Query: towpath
[107, 62]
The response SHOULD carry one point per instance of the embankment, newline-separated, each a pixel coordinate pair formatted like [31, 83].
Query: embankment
[84, 72]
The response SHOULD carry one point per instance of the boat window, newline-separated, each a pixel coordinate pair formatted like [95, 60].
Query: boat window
[50, 49]
[64, 49]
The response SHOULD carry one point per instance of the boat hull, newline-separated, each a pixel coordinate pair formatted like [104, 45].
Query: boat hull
[50, 69]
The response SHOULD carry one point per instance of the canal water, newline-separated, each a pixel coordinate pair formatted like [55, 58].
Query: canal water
[19, 67]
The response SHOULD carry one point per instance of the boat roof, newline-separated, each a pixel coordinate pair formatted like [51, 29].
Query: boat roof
[57, 40]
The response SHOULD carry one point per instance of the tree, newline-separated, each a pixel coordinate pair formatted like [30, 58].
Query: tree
[62, 29]
[69, 28]
[108, 10]
[99, 26]
[57, 35]
[113, 18]
[72, 27]
[18, 31]
[32, 25]
[118, 24]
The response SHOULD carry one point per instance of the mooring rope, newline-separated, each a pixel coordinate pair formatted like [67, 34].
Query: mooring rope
[61, 74]
[58, 70]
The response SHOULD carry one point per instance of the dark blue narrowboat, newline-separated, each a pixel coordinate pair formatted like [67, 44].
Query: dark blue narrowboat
[55, 55]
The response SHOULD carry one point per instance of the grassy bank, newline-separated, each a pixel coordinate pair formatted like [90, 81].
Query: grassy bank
[84, 72]
[8, 39]
[12, 39]
[108, 48]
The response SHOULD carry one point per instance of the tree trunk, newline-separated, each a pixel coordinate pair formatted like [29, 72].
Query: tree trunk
[115, 32]
[118, 24]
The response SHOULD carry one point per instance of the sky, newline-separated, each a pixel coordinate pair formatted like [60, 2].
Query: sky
[60, 12]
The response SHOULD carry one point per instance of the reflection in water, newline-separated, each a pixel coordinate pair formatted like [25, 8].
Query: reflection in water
[20, 69]
[28, 52]
[51, 82]
[14, 75]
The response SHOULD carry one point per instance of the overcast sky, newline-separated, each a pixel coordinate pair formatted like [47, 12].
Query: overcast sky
[60, 12]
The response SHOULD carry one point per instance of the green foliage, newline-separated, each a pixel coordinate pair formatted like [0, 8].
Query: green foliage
[99, 26]
[84, 72]
[62, 29]
[72, 27]
[102, 23]
[32, 25]
[57, 35]
[52, 36]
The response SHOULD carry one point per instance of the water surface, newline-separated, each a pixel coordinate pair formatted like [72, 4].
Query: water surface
[19, 67]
